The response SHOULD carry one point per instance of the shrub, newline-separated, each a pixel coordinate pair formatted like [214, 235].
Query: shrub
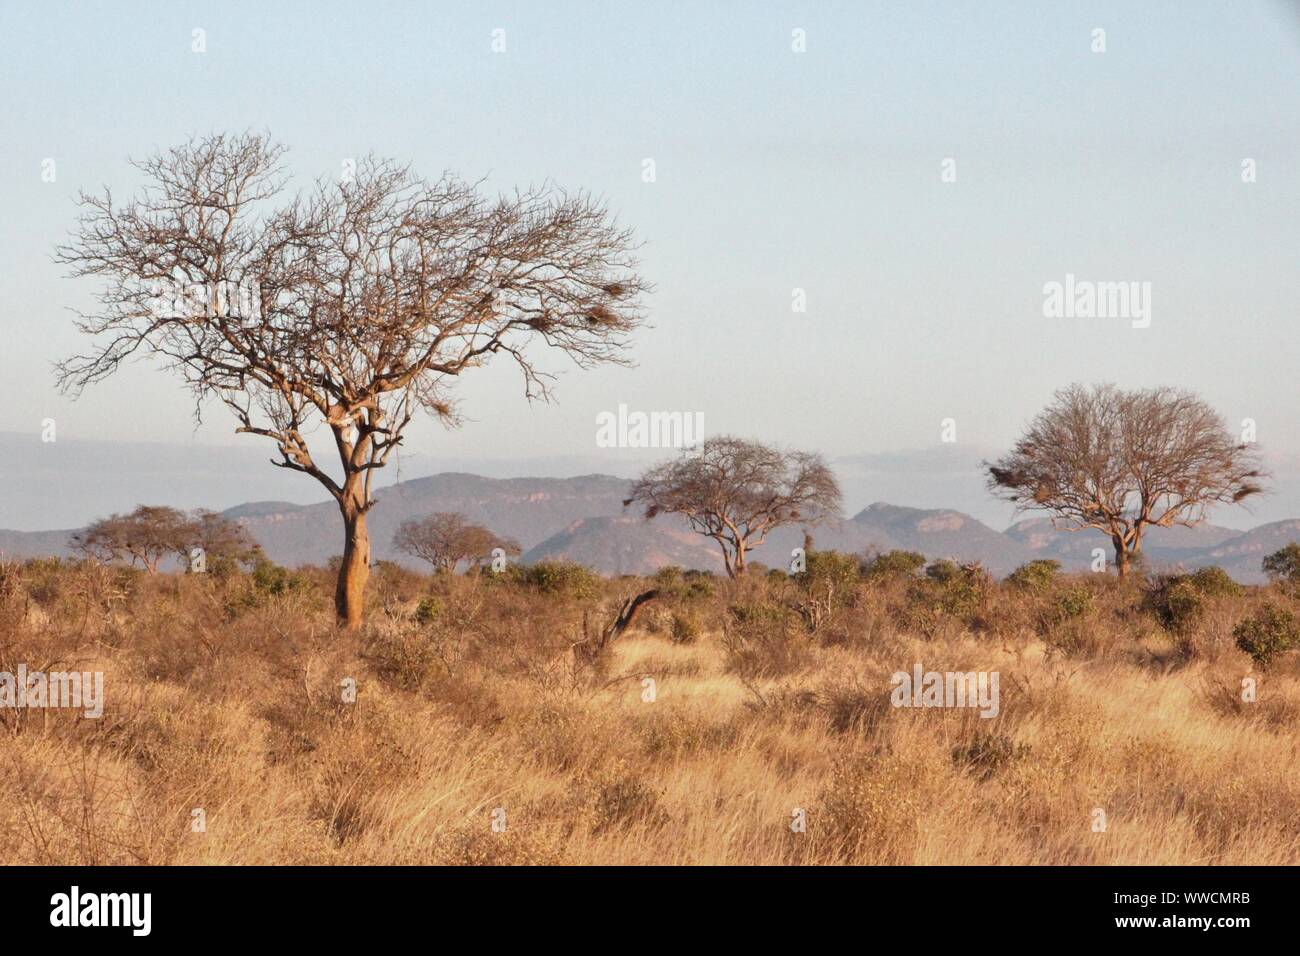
[684, 629]
[872, 806]
[988, 752]
[683, 585]
[1073, 602]
[1268, 632]
[273, 580]
[557, 578]
[963, 587]
[428, 610]
[699, 585]
[759, 640]
[1035, 576]
[893, 564]
[829, 580]
[943, 571]
[1284, 564]
[405, 660]
[854, 707]
[44, 581]
[668, 578]
[1214, 582]
[618, 798]
[829, 568]
[1179, 600]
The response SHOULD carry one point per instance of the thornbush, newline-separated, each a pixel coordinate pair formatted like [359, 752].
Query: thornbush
[428, 610]
[759, 640]
[1035, 576]
[273, 580]
[1179, 600]
[1268, 632]
[683, 629]
[557, 578]
[1073, 602]
[893, 564]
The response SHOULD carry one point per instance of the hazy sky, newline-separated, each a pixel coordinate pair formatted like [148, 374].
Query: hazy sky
[775, 170]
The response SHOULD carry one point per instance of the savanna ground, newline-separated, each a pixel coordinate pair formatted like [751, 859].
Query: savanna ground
[226, 692]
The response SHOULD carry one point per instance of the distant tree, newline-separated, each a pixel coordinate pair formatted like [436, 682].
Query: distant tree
[736, 491]
[225, 542]
[1284, 564]
[354, 305]
[144, 537]
[445, 539]
[151, 533]
[1125, 461]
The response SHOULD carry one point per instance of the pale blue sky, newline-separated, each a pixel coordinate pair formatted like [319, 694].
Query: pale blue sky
[775, 170]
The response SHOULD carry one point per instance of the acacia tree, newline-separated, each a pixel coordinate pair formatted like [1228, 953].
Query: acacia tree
[152, 532]
[736, 491]
[1123, 461]
[445, 539]
[350, 306]
[145, 536]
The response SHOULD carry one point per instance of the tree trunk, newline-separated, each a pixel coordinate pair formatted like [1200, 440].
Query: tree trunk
[1121, 556]
[728, 561]
[350, 591]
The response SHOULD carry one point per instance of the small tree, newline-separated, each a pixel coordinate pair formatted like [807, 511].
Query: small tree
[1125, 461]
[1284, 564]
[144, 537]
[153, 532]
[736, 491]
[352, 306]
[226, 544]
[445, 539]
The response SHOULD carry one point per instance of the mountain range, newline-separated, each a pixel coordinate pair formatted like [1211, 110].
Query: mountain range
[583, 519]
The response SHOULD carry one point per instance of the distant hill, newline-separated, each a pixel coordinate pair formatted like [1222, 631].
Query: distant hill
[529, 510]
[35, 544]
[1039, 535]
[583, 519]
[629, 545]
[258, 509]
[1163, 547]
[941, 533]
[1240, 556]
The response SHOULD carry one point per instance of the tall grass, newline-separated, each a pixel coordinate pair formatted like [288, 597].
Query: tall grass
[730, 712]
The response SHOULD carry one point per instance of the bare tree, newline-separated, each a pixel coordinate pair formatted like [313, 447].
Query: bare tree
[445, 539]
[351, 306]
[736, 491]
[1124, 461]
[144, 537]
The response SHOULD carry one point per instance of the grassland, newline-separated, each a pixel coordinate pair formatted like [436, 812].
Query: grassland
[479, 736]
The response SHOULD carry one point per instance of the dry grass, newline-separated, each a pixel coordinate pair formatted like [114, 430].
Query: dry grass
[226, 696]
